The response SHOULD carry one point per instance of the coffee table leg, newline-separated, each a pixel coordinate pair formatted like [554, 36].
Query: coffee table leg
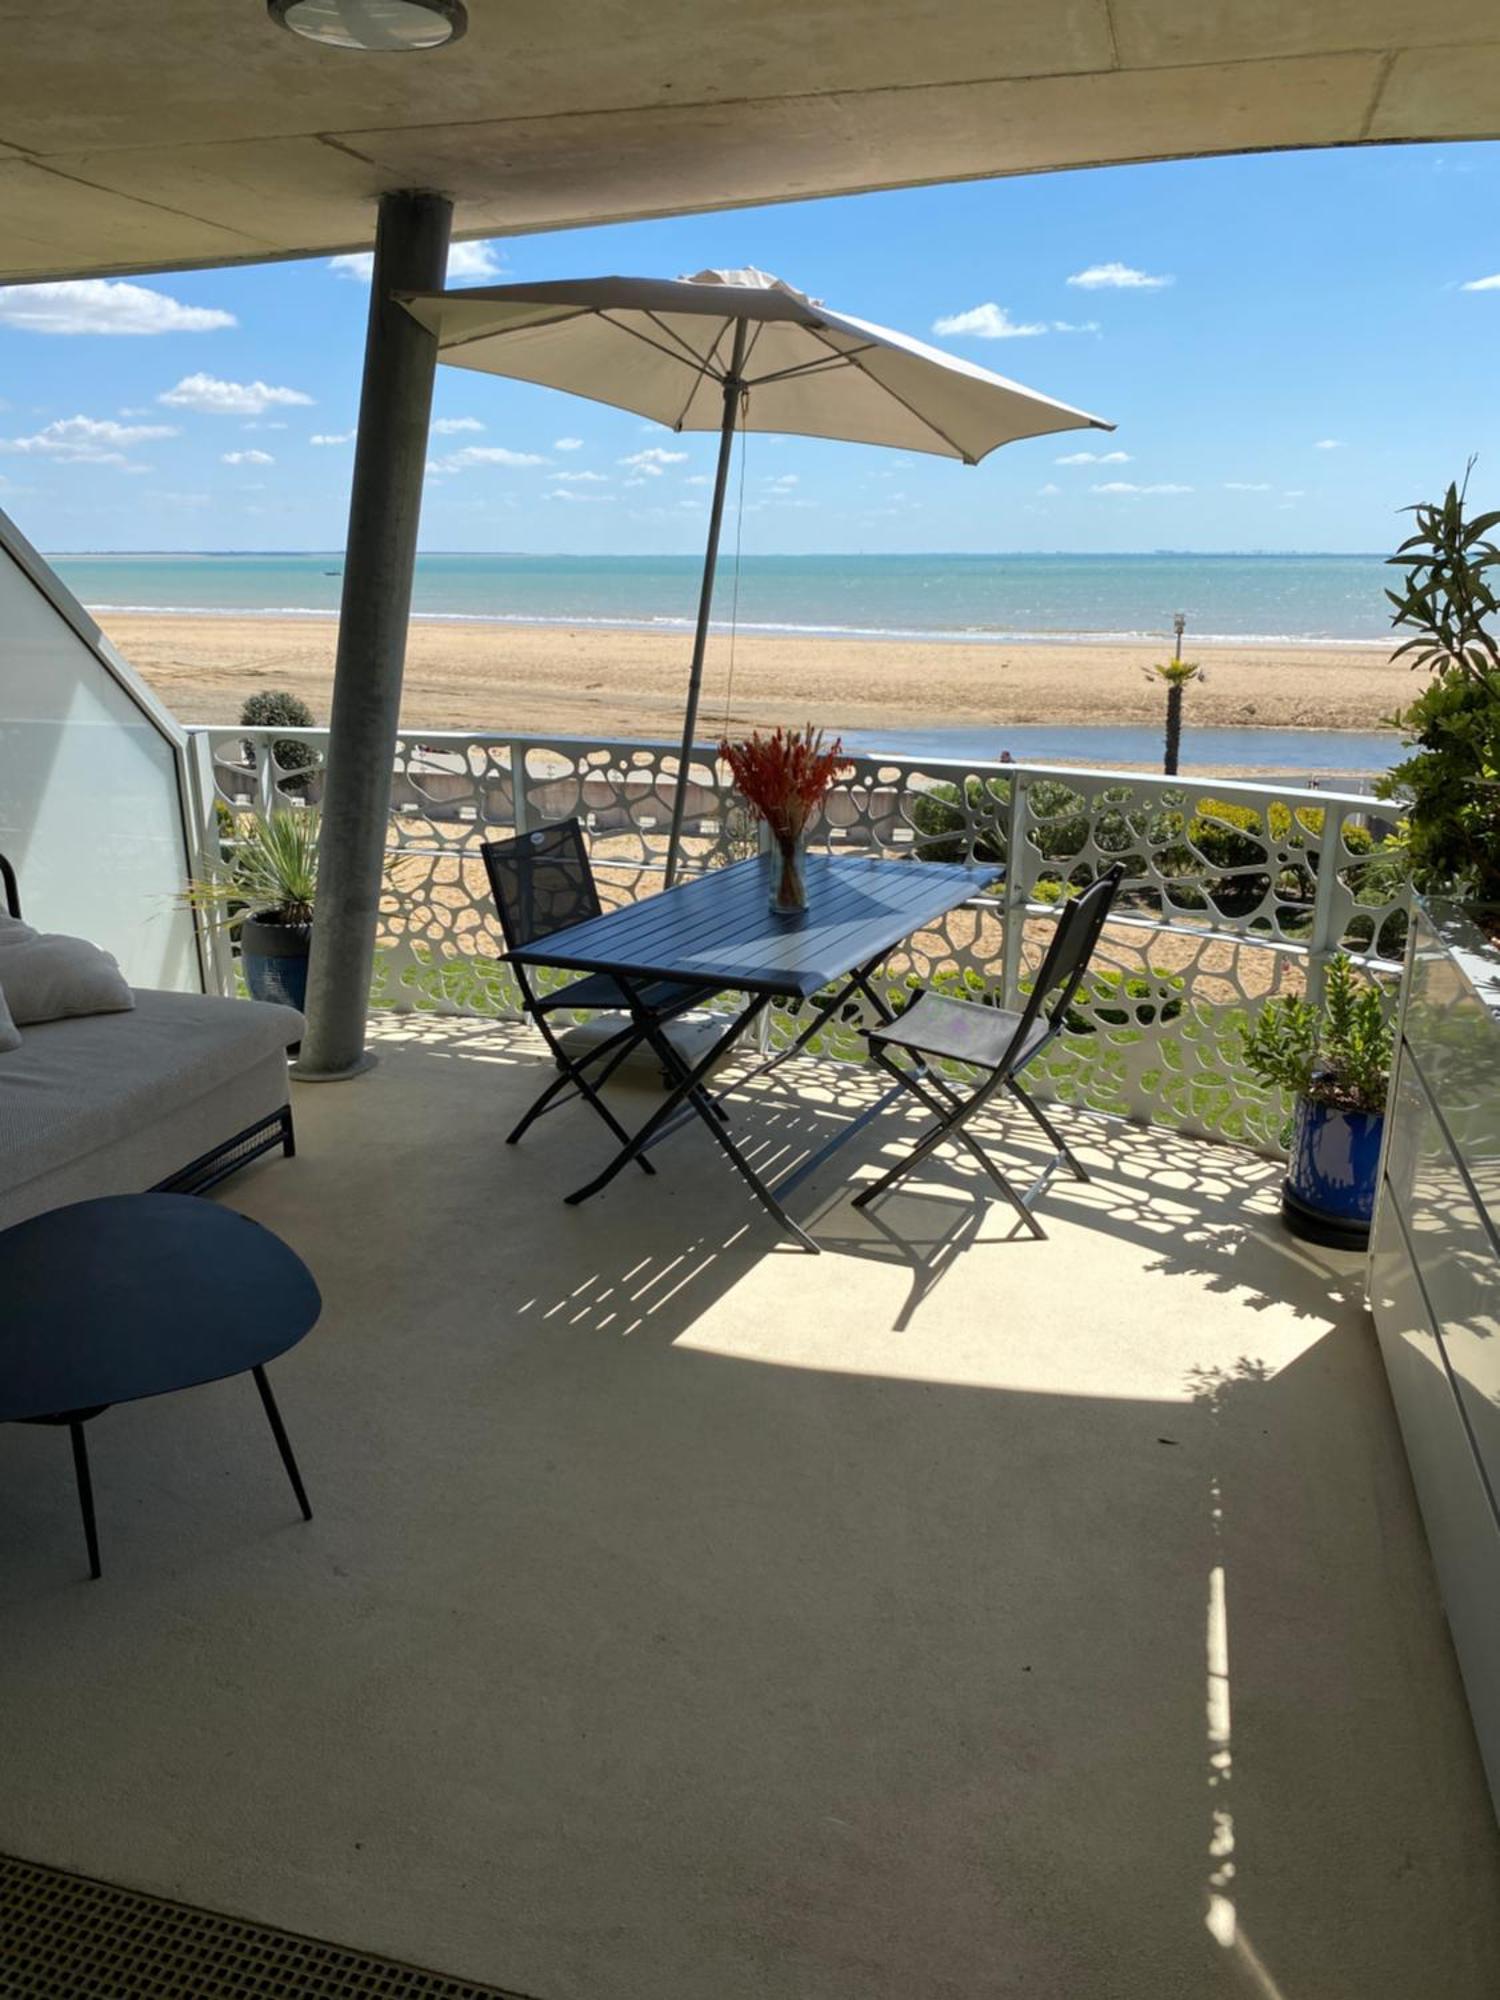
[85, 1494]
[283, 1443]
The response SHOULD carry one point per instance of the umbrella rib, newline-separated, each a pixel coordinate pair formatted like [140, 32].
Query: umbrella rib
[705, 367]
[840, 358]
[936, 429]
[493, 332]
[622, 326]
[702, 362]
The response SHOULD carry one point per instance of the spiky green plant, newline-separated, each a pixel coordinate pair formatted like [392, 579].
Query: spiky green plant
[1337, 1054]
[270, 873]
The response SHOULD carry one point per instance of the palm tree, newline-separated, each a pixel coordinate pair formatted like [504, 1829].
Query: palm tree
[1175, 673]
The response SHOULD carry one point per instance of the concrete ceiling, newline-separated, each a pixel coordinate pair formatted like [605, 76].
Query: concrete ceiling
[142, 134]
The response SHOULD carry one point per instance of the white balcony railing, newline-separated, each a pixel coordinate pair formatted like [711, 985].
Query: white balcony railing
[1234, 892]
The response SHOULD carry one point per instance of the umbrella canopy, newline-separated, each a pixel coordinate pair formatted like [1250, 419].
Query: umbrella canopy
[729, 350]
[663, 348]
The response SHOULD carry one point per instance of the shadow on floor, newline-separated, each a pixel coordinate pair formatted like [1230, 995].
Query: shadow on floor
[685, 1615]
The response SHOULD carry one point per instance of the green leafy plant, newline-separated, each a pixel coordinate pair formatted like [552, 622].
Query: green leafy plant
[1338, 1054]
[1450, 835]
[273, 706]
[941, 819]
[271, 874]
[1447, 597]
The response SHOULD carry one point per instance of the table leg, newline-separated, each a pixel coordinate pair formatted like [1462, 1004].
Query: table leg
[283, 1442]
[688, 1090]
[857, 982]
[85, 1494]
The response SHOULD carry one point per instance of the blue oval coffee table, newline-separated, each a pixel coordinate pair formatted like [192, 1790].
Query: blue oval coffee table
[134, 1295]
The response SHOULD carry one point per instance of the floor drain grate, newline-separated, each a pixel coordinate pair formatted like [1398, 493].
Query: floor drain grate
[65, 1937]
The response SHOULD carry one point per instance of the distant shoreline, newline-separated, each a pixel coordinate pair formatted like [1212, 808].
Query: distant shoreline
[838, 634]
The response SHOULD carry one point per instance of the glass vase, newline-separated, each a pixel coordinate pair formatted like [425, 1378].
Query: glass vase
[788, 876]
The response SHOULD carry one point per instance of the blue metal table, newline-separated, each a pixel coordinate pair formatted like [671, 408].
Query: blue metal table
[718, 930]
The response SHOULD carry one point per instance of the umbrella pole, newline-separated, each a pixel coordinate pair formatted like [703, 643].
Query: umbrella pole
[732, 389]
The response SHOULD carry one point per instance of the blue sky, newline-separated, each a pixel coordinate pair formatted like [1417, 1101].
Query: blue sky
[1293, 348]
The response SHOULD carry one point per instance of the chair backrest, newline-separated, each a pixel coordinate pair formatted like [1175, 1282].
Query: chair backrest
[1069, 953]
[541, 882]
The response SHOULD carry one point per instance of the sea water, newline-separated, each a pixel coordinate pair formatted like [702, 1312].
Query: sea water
[1317, 600]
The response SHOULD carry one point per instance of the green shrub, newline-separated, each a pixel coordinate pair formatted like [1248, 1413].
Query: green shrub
[943, 825]
[273, 706]
[1448, 603]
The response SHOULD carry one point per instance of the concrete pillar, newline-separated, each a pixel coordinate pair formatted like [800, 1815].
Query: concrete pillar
[411, 254]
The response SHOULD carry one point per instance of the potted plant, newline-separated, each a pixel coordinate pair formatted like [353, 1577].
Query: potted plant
[264, 889]
[784, 779]
[1335, 1061]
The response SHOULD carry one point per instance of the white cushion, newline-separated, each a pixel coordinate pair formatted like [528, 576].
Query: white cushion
[48, 977]
[13, 931]
[10, 1037]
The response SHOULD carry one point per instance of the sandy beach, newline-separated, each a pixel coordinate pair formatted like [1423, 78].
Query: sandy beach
[532, 680]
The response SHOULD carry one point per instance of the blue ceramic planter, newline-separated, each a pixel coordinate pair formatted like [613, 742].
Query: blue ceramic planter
[1329, 1192]
[273, 958]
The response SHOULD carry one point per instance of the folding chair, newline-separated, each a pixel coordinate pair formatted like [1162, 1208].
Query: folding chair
[542, 883]
[996, 1041]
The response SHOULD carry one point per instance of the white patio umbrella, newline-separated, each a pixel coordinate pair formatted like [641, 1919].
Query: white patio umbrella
[729, 350]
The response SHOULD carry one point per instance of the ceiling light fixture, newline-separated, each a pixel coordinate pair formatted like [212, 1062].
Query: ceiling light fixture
[390, 25]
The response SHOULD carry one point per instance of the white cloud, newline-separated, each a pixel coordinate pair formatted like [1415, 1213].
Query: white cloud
[1117, 277]
[451, 426]
[103, 305]
[569, 493]
[465, 260]
[474, 260]
[87, 440]
[1075, 326]
[1048, 490]
[471, 455]
[246, 458]
[637, 481]
[653, 461]
[1126, 486]
[988, 322]
[1247, 485]
[331, 437]
[228, 399]
[1093, 458]
[1329, 444]
[567, 444]
[784, 479]
[696, 479]
[1294, 493]
[582, 478]
[1490, 284]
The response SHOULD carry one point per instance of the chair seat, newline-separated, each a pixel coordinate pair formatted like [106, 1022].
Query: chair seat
[597, 991]
[961, 1031]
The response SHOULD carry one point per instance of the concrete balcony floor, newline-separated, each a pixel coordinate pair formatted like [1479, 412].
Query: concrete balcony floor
[684, 1616]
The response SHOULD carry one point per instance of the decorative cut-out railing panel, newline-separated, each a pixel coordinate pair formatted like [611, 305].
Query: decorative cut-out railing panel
[1233, 892]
